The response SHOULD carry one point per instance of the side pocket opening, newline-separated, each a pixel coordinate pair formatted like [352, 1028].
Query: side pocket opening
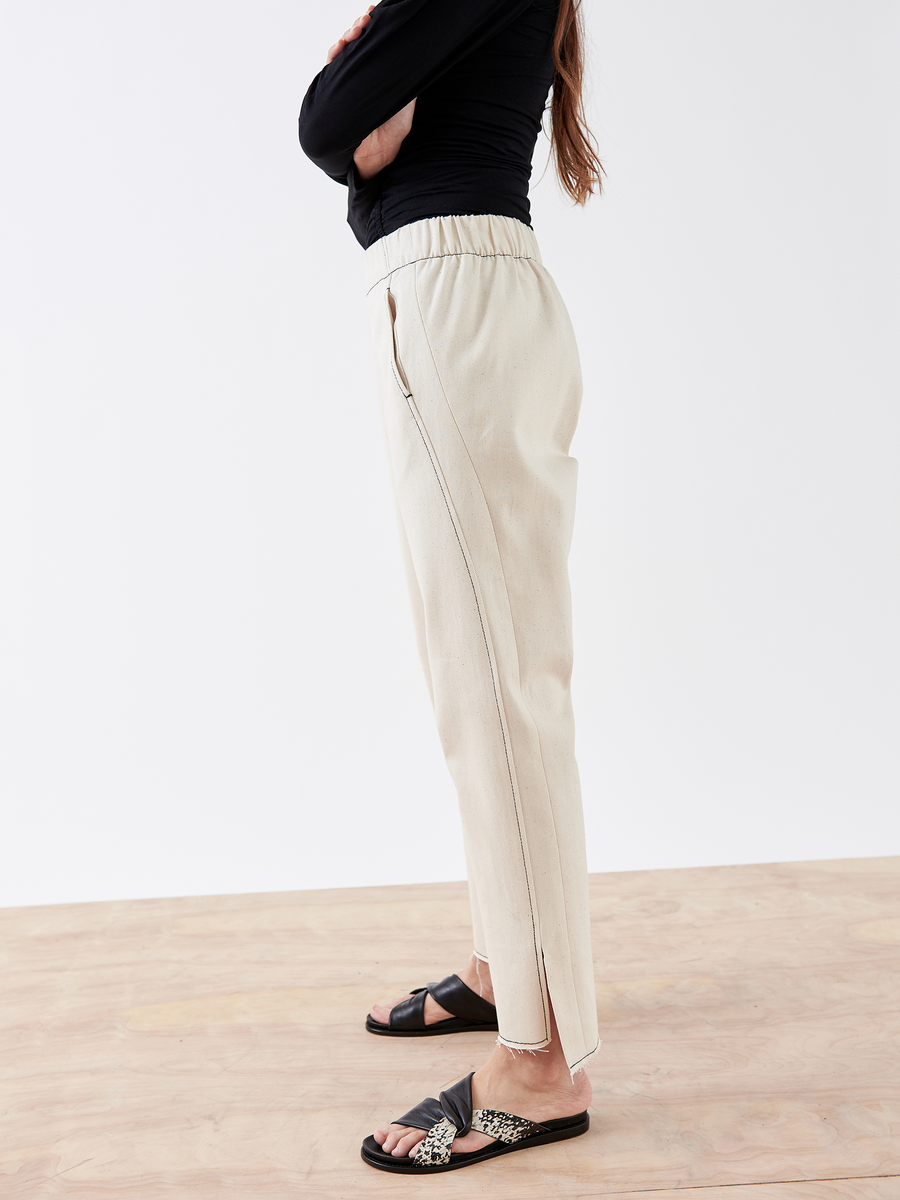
[399, 373]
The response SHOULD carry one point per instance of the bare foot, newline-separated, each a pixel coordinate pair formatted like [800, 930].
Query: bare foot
[475, 974]
[537, 1086]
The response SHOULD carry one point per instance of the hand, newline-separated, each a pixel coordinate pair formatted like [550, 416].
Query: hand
[383, 144]
[350, 36]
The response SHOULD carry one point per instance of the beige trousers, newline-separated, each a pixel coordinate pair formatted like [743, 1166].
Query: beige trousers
[480, 387]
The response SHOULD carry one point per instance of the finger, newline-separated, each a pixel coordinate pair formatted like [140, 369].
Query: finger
[350, 35]
[356, 29]
[335, 51]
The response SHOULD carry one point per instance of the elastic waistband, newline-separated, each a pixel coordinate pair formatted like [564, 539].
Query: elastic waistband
[439, 237]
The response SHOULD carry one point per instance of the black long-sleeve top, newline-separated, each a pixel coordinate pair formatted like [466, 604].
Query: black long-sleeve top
[481, 70]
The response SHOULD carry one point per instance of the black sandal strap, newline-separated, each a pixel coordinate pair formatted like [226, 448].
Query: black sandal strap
[410, 1013]
[455, 1106]
[451, 993]
[458, 998]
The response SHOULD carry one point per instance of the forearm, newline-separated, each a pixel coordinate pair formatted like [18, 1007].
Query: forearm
[406, 46]
[355, 93]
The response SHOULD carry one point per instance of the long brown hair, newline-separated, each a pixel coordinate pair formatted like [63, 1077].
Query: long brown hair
[577, 163]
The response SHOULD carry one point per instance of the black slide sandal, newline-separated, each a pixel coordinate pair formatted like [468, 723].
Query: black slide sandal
[453, 1116]
[408, 1017]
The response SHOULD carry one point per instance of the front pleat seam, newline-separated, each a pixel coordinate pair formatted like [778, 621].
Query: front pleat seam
[539, 968]
[416, 416]
[535, 729]
[534, 725]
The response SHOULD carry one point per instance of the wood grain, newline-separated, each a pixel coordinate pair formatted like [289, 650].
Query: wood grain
[886, 1188]
[213, 1047]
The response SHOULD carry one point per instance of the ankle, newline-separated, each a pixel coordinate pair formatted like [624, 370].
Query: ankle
[477, 975]
[513, 1085]
[532, 1069]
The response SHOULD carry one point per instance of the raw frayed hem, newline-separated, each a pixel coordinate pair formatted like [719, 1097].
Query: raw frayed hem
[479, 956]
[518, 1048]
[583, 1062]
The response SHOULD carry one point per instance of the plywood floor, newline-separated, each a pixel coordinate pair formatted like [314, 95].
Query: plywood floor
[213, 1047]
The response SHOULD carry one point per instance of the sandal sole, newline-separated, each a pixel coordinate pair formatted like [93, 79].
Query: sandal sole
[451, 1025]
[557, 1131]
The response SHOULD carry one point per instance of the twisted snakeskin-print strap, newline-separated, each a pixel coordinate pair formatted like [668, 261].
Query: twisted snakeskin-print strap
[503, 1126]
[435, 1149]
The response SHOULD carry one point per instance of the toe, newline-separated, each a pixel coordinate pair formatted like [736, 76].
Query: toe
[393, 1134]
[382, 1012]
[399, 1140]
[409, 1142]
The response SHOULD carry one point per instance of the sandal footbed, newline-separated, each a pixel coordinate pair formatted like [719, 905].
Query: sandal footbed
[557, 1131]
[450, 1025]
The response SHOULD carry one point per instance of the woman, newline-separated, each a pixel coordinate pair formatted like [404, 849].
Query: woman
[429, 110]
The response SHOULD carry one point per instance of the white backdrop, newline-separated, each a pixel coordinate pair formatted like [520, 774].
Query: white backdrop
[208, 677]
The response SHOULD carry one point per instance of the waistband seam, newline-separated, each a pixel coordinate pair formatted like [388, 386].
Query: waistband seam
[449, 254]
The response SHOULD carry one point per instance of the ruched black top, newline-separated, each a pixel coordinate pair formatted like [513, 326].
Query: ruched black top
[481, 70]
